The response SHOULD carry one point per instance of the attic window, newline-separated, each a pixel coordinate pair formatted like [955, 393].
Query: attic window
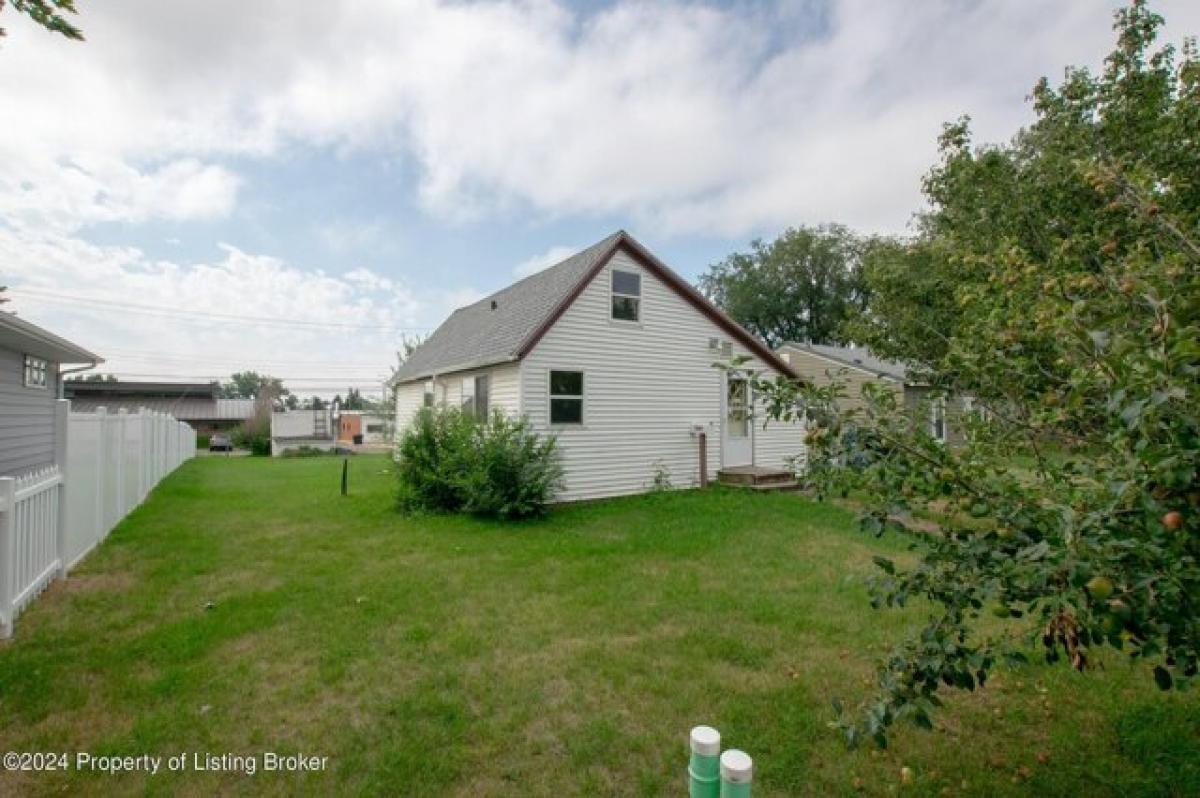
[626, 295]
[35, 372]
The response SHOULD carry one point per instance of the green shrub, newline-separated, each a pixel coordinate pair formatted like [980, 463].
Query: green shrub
[447, 461]
[514, 473]
[202, 441]
[253, 437]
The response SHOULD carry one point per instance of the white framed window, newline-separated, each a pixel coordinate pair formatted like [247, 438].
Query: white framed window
[566, 397]
[937, 420]
[476, 395]
[35, 372]
[428, 398]
[626, 295]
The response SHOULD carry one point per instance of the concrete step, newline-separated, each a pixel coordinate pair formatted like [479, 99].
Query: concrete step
[756, 477]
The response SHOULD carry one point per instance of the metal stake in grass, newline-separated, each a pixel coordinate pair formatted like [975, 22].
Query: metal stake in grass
[703, 766]
[345, 472]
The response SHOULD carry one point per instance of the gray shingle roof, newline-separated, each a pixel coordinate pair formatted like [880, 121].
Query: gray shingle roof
[493, 329]
[858, 357]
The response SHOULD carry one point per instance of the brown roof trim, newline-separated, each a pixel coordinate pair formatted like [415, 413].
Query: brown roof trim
[656, 267]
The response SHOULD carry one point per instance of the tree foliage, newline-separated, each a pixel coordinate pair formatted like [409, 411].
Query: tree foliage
[353, 401]
[800, 287]
[1056, 280]
[252, 385]
[49, 14]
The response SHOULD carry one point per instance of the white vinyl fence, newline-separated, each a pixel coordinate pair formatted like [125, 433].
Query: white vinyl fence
[106, 463]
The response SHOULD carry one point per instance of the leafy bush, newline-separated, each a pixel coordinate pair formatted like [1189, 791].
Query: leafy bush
[253, 437]
[447, 461]
[202, 441]
[513, 473]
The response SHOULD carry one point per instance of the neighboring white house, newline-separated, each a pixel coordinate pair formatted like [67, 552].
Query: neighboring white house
[613, 353]
[293, 429]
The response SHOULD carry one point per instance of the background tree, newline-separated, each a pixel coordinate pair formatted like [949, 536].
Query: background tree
[800, 287]
[354, 400]
[47, 13]
[1071, 271]
[251, 385]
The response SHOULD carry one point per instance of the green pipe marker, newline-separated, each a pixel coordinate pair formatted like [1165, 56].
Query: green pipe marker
[704, 765]
[737, 771]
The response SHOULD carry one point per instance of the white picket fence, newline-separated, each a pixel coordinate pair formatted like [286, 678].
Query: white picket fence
[106, 463]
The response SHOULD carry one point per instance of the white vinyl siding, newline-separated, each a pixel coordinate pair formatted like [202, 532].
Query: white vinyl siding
[645, 385]
[503, 392]
[410, 398]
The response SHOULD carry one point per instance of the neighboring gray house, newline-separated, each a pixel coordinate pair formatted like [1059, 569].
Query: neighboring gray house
[855, 366]
[30, 375]
[613, 353]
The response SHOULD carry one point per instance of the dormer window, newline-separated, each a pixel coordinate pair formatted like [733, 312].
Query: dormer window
[626, 295]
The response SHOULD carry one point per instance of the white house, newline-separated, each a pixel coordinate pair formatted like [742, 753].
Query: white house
[613, 353]
[293, 429]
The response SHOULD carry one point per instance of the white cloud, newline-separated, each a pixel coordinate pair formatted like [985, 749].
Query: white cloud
[675, 117]
[68, 194]
[543, 261]
[352, 322]
[680, 117]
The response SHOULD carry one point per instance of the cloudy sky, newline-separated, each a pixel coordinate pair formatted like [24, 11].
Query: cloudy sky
[291, 186]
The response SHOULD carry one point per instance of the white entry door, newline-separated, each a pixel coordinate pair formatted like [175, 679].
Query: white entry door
[737, 429]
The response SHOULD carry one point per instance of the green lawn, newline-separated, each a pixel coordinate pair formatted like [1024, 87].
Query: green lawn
[569, 656]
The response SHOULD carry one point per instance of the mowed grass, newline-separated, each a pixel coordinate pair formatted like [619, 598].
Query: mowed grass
[566, 656]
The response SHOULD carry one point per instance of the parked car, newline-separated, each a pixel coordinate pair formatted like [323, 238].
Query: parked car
[219, 443]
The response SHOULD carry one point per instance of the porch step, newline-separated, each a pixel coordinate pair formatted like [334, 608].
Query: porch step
[757, 478]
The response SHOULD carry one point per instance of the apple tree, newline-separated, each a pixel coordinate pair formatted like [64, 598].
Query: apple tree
[1065, 266]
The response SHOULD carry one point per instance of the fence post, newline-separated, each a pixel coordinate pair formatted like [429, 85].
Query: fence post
[62, 420]
[101, 465]
[122, 509]
[8, 501]
[143, 456]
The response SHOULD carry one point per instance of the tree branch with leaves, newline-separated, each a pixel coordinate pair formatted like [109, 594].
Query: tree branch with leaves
[1069, 520]
[50, 14]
